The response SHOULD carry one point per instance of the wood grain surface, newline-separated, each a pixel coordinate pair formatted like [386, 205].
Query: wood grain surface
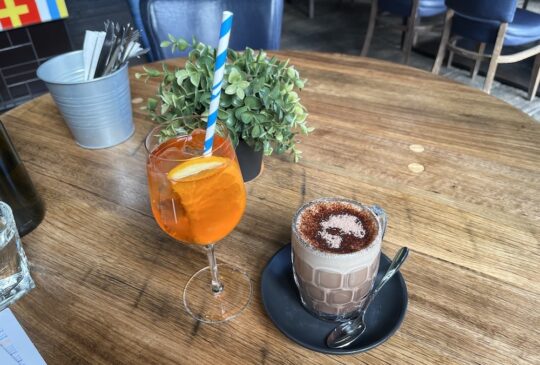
[109, 281]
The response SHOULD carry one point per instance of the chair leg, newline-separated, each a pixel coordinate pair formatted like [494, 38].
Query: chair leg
[311, 9]
[535, 78]
[478, 61]
[408, 45]
[371, 27]
[411, 30]
[403, 33]
[495, 57]
[444, 42]
[415, 39]
[451, 54]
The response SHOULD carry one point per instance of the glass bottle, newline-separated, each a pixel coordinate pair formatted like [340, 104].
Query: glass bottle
[16, 187]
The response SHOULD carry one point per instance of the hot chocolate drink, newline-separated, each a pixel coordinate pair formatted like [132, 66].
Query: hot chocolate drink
[337, 226]
[336, 248]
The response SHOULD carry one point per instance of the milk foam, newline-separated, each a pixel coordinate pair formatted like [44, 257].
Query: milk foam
[346, 223]
[336, 262]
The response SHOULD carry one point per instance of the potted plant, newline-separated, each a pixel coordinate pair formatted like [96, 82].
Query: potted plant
[259, 100]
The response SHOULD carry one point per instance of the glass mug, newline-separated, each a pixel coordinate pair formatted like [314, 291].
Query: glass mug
[333, 286]
[15, 279]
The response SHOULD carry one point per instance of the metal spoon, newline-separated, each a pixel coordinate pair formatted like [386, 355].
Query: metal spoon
[344, 334]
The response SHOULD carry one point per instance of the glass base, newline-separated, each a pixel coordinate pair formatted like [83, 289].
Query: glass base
[16, 292]
[206, 306]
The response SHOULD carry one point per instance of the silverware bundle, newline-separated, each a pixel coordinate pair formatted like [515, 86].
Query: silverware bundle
[105, 52]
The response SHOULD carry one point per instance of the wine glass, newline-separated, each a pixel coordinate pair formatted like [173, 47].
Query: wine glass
[199, 200]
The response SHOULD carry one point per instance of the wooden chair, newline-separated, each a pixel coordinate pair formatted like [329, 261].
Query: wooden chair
[494, 22]
[411, 12]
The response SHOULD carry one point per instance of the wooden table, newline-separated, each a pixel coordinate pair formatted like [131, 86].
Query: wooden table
[109, 281]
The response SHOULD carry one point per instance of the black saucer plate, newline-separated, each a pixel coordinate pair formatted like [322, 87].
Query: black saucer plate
[282, 303]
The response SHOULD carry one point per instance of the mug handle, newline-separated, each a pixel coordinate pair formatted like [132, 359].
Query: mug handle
[381, 215]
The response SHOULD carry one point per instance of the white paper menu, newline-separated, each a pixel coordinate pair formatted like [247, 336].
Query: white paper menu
[6, 359]
[15, 346]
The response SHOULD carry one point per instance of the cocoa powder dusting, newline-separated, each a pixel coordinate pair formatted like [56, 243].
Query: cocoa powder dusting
[311, 227]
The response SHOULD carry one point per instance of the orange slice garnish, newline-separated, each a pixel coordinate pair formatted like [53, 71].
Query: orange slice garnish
[197, 168]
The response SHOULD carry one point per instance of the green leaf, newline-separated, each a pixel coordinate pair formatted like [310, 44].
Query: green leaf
[236, 101]
[181, 75]
[240, 93]
[151, 104]
[291, 72]
[261, 118]
[171, 37]
[274, 94]
[257, 85]
[267, 148]
[165, 44]
[152, 72]
[256, 131]
[239, 111]
[231, 89]
[205, 98]
[234, 76]
[242, 84]
[223, 115]
[225, 101]
[246, 117]
[252, 102]
[182, 44]
[164, 108]
[195, 78]
[292, 97]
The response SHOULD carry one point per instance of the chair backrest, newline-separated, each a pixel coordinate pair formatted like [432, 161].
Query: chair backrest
[256, 24]
[488, 10]
[134, 6]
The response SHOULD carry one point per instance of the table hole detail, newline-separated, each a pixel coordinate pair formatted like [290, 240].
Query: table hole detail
[416, 167]
[416, 148]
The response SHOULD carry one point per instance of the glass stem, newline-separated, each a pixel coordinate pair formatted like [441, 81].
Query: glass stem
[217, 286]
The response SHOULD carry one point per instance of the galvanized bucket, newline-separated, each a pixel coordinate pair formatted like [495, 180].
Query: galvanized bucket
[97, 112]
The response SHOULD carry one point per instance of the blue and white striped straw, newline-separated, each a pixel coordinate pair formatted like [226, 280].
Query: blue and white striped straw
[221, 58]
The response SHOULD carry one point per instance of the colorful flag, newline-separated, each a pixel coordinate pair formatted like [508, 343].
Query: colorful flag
[20, 13]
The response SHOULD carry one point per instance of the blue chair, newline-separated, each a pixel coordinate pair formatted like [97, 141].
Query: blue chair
[411, 11]
[137, 19]
[257, 23]
[498, 23]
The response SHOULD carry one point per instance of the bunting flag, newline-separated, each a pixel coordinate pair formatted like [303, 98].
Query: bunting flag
[20, 13]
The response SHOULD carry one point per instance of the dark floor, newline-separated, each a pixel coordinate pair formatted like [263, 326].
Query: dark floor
[340, 25]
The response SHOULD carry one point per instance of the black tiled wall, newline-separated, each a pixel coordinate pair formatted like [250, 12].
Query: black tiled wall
[23, 50]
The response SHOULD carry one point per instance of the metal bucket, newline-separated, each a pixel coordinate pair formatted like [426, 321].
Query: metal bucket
[97, 112]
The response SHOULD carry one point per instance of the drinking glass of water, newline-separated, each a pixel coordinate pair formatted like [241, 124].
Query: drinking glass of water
[15, 280]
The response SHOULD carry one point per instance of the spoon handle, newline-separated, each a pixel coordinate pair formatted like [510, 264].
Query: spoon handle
[400, 257]
[347, 332]
[398, 260]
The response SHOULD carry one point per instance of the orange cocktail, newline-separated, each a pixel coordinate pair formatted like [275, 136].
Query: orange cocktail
[196, 199]
[200, 199]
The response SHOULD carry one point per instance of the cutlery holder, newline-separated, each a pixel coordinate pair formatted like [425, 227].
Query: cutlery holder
[97, 112]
